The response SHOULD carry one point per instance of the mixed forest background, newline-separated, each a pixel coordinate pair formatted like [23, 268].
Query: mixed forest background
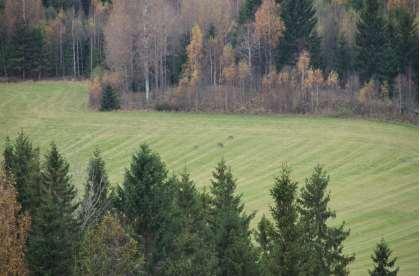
[283, 56]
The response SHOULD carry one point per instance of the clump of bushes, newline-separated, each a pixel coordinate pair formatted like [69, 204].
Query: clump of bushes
[104, 92]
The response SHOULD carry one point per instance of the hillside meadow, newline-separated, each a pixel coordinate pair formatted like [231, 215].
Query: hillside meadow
[373, 165]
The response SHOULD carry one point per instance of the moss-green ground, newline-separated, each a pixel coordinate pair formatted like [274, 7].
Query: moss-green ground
[373, 165]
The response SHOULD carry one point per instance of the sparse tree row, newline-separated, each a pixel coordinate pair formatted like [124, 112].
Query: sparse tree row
[156, 223]
[222, 55]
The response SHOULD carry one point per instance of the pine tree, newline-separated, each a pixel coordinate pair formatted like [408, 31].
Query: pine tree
[95, 201]
[370, 41]
[300, 21]
[146, 199]
[230, 226]
[54, 232]
[383, 265]
[21, 162]
[286, 233]
[194, 252]
[322, 244]
[109, 99]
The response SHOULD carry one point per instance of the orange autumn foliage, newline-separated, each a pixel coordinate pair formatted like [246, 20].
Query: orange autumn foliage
[14, 227]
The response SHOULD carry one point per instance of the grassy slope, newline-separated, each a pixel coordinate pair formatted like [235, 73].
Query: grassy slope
[373, 166]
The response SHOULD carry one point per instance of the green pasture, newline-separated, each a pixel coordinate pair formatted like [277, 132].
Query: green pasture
[373, 165]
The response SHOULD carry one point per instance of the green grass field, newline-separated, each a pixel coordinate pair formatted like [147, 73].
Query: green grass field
[373, 165]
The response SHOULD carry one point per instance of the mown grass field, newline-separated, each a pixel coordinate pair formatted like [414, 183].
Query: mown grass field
[373, 165]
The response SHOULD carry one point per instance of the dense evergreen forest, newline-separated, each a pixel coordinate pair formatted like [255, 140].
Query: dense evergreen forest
[157, 223]
[282, 56]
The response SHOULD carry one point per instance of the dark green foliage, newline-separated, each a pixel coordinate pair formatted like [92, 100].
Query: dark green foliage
[403, 41]
[21, 161]
[54, 231]
[58, 4]
[95, 200]
[85, 5]
[177, 60]
[247, 11]
[264, 235]
[285, 254]
[265, 239]
[343, 60]
[230, 226]
[194, 252]
[109, 99]
[370, 41]
[383, 265]
[322, 244]
[25, 51]
[300, 21]
[146, 199]
[391, 62]
[356, 4]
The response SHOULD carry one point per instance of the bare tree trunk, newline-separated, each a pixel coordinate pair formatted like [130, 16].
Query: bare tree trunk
[61, 51]
[78, 48]
[146, 50]
[91, 53]
[317, 97]
[409, 83]
[211, 66]
[92, 38]
[146, 80]
[73, 45]
[400, 91]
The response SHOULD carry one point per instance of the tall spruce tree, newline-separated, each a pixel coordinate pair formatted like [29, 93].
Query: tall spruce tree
[146, 199]
[402, 44]
[391, 55]
[230, 226]
[54, 233]
[95, 200]
[383, 265]
[322, 244]
[343, 60]
[194, 252]
[300, 21]
[370, 41]
[21, 162]
[285, 254]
